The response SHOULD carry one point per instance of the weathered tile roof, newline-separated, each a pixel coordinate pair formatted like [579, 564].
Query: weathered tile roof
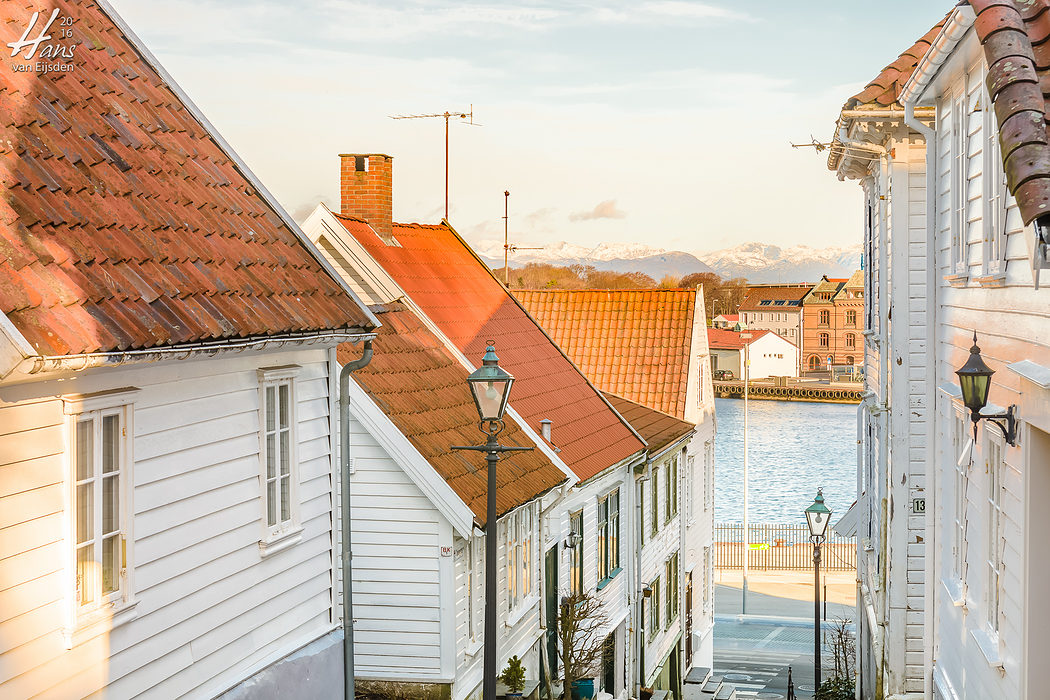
[1015, 38]
[826, 284]
[725, 339]
[124, 224]
[658, 428]
[787, 294]
[635, 343]
[458, 293]
[885, 89]
[423, 390]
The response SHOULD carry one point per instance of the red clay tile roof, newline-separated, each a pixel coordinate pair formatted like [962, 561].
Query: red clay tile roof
[635, 343]
[724, 339]
[423, 390]
[731, 318]
[459, 294]
[658, 428]
[756, 295]
[123, 223]
[885, 89]
[1016, 47]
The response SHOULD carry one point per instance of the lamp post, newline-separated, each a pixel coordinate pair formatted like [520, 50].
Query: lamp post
[746, 337]
[975, 379]
[817, 517]
[490, 386]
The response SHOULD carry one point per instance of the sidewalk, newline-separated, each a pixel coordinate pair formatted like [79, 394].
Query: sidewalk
[785, 593]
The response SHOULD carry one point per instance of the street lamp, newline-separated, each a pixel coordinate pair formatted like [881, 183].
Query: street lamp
[975, 379]
[817, 517]
[746, 337]
[490, 386]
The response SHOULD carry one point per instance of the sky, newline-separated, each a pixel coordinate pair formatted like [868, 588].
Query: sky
[660, 122]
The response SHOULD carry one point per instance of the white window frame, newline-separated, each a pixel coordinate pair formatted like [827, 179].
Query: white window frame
[996, 543]
[960, 436]
[690, 499]
[284, 533]
[671, 488]
[118, 607]
[655, 608]
[519, 530]
[672, 572]
[608, 533]
[707, 579]
[995, 194]
[654, 504]
[958, 188]
[708, 456]
[475, 551]
[576, 568]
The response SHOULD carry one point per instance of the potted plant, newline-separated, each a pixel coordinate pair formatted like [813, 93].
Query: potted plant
[513, 677]
[581, 621]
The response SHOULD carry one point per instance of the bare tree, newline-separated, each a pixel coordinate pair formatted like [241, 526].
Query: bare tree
[581, 623]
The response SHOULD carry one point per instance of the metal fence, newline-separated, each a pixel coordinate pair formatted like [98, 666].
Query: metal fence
[775, 546]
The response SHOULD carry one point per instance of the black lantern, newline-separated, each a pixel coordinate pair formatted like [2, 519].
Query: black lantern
[975, 379]
[490, 385]
[818, 515]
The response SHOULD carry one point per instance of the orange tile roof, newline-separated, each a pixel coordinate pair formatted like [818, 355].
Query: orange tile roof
[635, 343]
[423, 390]
[658, 428]
[756, 295]
[455, 289]
[885, 89]
[124, 223]
[725, 339]
[1016, 40]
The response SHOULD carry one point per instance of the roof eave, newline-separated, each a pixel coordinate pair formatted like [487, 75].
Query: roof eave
[959, 22]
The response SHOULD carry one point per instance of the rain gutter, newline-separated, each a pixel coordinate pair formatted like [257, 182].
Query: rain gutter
[344, 478]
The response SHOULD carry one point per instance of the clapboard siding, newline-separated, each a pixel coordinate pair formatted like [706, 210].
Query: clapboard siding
[209, 605]
[395, 541]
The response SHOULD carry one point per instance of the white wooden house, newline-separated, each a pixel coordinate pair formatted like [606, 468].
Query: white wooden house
[418, 518]
[963, 517]
[432, 271]
[770, 354]
[167, 388]
[874, 146]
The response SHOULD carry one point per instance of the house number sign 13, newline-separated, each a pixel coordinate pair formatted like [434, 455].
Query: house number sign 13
[918, 505]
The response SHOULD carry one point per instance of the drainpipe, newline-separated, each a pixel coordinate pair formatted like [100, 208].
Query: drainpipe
[640, 627]
[929, 136]
[344, 476]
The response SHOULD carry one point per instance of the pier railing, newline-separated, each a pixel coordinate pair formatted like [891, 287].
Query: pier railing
[779, 546]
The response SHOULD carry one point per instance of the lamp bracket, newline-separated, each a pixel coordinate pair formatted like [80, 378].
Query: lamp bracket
[1006, 422]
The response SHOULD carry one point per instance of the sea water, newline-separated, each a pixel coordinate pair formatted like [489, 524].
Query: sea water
[793, 448]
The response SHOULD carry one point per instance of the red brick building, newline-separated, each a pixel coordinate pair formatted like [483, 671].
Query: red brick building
[833, 321]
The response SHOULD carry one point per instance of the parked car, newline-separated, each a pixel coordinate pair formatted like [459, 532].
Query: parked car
[724, 375]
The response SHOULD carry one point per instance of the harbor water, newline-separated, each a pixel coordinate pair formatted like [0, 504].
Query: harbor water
[793, 448]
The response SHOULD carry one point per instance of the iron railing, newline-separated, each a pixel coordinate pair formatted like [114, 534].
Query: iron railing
[779, 546]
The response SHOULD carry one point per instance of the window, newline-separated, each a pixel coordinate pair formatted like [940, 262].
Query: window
[707, 579]
[654, 503]
[608, 537]
[671, 576]
[995, 196]
[475, 576]
[280, 469]
[707, 474]
[958, 186]
[518, 530]
[822, 340]
[851, 317]
[654, 607]
[671, 488]
[814, 362]
[576, 554]
[851, 340]
[100, 480]
[850, 359]
[825, 317]
[690, 498]
[996, 542]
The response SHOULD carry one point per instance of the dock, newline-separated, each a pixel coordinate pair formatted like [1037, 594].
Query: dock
[801, 391]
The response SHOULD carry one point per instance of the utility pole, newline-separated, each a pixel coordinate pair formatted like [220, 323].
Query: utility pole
[746, 337]
[446, 115]
[506, 239]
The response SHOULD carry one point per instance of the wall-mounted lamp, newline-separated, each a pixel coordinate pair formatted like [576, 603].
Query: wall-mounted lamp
[975, 379]
[647, 591]
[572, 540]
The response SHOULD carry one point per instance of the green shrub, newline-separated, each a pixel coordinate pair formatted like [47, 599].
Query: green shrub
[838, 688]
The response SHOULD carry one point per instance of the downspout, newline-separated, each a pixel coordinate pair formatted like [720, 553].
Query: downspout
[929, 136]
[862, 414]
[344, 477]
[640, 627]
[884, 450]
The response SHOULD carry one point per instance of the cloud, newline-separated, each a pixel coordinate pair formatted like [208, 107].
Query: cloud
[603, 210]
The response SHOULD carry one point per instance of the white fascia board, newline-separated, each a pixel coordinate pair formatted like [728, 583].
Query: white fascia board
[14, 348]
[323, 222]
[444, 498]
[955, 28]
[256, 183]
[847, 524]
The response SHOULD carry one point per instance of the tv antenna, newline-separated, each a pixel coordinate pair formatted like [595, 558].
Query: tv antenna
[508, 247]
[447, 115]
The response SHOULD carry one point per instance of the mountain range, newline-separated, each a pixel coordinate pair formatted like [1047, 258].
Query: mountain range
[757, 262]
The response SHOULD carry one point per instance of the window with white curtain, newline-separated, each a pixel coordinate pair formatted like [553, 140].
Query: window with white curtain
[996, 541]
[279, 458]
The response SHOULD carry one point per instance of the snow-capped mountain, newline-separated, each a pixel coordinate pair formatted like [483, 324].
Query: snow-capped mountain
[760, 262]
[617, 257]
[757, 262]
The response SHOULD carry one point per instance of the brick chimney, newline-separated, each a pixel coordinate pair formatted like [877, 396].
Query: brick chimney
[366, 189]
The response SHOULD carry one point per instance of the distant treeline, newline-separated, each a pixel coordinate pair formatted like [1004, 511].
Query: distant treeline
[723, 296]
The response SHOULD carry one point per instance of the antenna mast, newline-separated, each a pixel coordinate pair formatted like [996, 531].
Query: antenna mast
[446, 115]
